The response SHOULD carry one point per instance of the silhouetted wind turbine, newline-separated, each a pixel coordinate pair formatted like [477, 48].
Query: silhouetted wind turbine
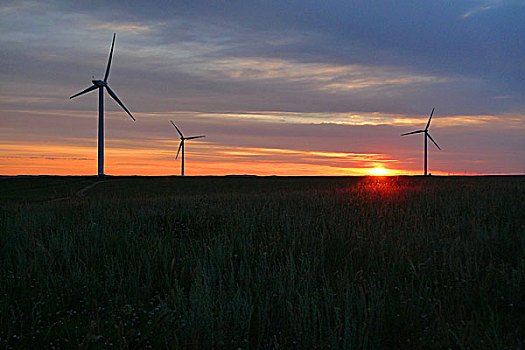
[181, 145]
[427, 135]
[100, 85]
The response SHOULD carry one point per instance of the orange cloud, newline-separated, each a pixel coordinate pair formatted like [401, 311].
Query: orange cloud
[201, 159]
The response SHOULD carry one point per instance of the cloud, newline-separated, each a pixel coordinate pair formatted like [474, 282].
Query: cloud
[476, 10]
[328, 77]
[265, 56]
[45, 157]
[126, 27]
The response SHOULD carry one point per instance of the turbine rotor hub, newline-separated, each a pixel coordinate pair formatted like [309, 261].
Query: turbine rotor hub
[99, 83]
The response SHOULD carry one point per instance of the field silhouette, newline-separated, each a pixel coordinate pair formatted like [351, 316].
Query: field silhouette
[263, 262]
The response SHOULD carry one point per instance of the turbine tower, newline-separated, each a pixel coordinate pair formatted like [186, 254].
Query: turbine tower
[427, 135]
[101, 85]
[181, 145]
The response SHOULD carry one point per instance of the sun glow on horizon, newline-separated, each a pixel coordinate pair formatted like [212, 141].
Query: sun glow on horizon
[379, 171]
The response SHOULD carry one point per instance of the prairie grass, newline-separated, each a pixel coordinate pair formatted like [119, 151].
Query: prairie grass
[335, 262]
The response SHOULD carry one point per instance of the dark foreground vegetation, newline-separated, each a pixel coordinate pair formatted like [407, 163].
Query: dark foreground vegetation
[349, 263]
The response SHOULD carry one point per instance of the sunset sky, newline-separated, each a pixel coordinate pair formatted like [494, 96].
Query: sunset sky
[278, 87]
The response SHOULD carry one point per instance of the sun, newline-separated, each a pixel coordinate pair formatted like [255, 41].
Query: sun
[378, 171]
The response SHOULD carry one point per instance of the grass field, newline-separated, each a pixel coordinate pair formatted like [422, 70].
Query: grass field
[218, 262]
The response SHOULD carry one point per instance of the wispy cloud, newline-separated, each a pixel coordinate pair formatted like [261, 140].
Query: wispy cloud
[16, 6]
[351, 118]
[328, 77]
[45, 157]
[126, 27]
[476, 10]
[25, 99]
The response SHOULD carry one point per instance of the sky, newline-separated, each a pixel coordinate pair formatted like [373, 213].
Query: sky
[278, 87]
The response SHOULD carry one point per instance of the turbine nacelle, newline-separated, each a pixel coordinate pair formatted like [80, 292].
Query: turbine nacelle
[99, 83]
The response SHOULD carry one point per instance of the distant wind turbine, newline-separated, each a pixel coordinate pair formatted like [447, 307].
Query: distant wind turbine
[100, 85]
[427, 135]
[181, 145]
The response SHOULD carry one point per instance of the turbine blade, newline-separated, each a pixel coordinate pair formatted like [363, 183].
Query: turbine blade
[110, 57]
[175, 126]
[193, 137]
[180, 145]
[118, 101]
[413, 132]
[91, 88]
[429, 119]
[431, 139]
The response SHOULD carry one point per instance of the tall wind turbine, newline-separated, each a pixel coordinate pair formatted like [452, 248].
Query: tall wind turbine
[427, 135]
[101, 85]
[181, 145]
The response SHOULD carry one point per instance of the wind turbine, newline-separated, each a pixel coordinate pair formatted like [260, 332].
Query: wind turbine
[101, 85]
[181, 145]
[427, 135]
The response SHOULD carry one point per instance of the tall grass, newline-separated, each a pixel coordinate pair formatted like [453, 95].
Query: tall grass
[264, 263]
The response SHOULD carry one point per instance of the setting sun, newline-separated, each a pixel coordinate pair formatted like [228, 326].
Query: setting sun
[378, 171]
